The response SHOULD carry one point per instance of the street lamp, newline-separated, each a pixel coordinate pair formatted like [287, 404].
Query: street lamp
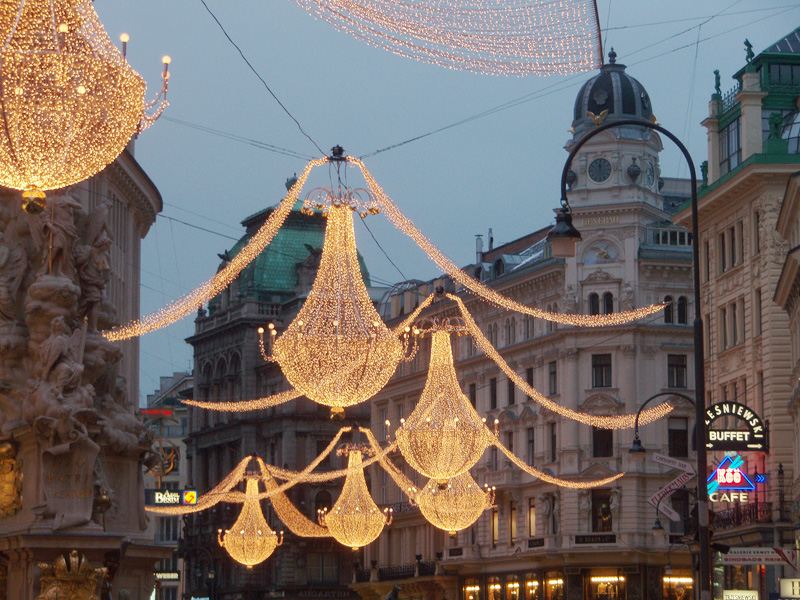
[637, 450]
[699, 359]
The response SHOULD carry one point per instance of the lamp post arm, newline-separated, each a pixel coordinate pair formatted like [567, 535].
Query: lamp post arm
[699, 358]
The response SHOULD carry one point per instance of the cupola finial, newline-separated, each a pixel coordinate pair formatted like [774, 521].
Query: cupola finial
[612, 57]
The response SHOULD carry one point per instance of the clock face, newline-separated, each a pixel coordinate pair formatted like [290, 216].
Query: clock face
[650, 174]
[600, 170]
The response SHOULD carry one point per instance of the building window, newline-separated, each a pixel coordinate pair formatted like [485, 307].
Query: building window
[722, 254]
[602, 442]
[730, 147]
[723, 327]
[669, 314]
[756, 226]
[608, 303]
[473, 394]
[601, 511]
[384, 426]
[601, 370]
[168, 529]
[683, 310]
[553, 442]
[676, 370]
[492, 393]
[732, 246]
[511, 392]
[594, 304]
[707, 255]
[323, 567]
[757, 312]
[678, 437]
[530, 442]
[493, 458]
[529, 376]
[531, 517]
[552, 377]
[510, 441]
[512, 522]
[495, 526]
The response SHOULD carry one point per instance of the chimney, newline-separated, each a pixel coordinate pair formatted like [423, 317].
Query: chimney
[478, 249]
[491, 240]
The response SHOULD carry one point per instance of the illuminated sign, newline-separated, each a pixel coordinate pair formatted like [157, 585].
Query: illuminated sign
[739, 594]
[168, 575]
[166, 497]
[790, 588]
[728, 483]
[754, 437]
[157, 412]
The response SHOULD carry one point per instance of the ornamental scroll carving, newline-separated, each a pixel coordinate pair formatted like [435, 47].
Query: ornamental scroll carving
[69, 577]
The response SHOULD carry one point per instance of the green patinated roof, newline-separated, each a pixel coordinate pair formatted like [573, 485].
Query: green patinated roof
[274, 271]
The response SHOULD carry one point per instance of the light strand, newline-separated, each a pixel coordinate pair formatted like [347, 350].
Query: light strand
[403, 482]
[195, 299]
[575, 485]
[246, 405]
[405, 324]
[601, 421]
[405, 225]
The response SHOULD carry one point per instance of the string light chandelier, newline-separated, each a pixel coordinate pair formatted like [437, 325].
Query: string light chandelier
[250, 541]
[455, 506]
[355, 520]
[444, 435]
[337, 351]
[70, 100]
[521, 37]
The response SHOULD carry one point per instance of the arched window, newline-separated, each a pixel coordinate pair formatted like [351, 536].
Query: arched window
[608, 303]
[513, 331]
[669, 317]
[507, 332]
[594, 304]
[683, 309]
[499, 267]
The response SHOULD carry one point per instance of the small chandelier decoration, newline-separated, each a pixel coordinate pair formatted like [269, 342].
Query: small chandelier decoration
[337, 351]
[250, 541]
[444, 436]
[70, 101]
[455, 506]
[355, 520]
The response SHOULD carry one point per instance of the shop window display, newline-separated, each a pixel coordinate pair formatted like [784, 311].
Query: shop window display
[532, 587]
[678, 588]
[606, 587]
[554, 586]
[472, 589]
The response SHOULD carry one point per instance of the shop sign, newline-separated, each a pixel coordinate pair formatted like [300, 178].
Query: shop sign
[167, 497]
[760, 556]
[168, 575]
[755, 437]
[157, 412]
[597, 538]
[739, 594]
[790, 588]
[535, 542]
[728, 483]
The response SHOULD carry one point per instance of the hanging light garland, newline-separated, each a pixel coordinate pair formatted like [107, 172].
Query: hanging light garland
[521, 37]
[444, 435]
[455, 506]
[337, 350]
[246, 405]
[250, 541]
[355, 520]
[601, 421]
[194, 300]
[70, 101]
[405, 225]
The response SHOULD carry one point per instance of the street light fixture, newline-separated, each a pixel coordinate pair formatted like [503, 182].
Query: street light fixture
[637, 450]
[699, 359]
[563, 237]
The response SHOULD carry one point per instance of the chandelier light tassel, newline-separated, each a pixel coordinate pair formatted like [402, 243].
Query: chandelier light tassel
[456, 505]
[444, 436]
[601, 421]
[70, 101]
[250, 541]
[355, 520]
[337, 351]
[195, 299]
[405, 225]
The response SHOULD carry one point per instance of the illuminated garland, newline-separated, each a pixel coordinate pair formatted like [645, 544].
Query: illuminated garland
[195, 299]
[602, 421]
[575, 485]
[403, 482]
[337, 350]
[246, 405]
[355, 520]
[405, 225]
[405, 325]
[250, 541]
[454, 506]
[512, 38]
[286, 511]
[444, 435]
[69, 100]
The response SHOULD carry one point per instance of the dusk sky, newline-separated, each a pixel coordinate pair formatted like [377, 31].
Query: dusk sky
[500, 170]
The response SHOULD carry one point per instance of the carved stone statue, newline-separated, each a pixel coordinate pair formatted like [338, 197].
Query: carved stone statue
[69, 577]
[626, 297]
[585, 509]
[307, 269]
[61, 356]
[55, 234]
[394, 593]
[717, 90]
[92, 262]
[570, 300]
[13, 264]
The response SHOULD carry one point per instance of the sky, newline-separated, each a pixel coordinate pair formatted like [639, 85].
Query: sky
[500, 170]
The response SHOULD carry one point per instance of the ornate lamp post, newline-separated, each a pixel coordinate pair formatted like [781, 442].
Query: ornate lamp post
[699, 359]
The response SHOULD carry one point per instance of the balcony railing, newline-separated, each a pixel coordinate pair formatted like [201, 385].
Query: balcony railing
[427, 568]
[362, 575]
[743, 514]
[392, 573]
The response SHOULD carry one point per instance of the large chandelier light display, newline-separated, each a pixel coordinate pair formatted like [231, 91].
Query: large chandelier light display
[454, 506]
[70, 101]
[250, 541]
[355, 520]
[517, 37]
[338, 351]
[444, 435]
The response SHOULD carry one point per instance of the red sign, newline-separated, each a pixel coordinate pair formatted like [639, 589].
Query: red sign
[157, 412]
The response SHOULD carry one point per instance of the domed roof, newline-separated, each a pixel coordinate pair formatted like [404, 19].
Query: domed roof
[612, 90]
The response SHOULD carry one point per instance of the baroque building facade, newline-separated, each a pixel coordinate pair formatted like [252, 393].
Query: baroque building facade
[540, 541]
[229, 366]
[744, 242]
